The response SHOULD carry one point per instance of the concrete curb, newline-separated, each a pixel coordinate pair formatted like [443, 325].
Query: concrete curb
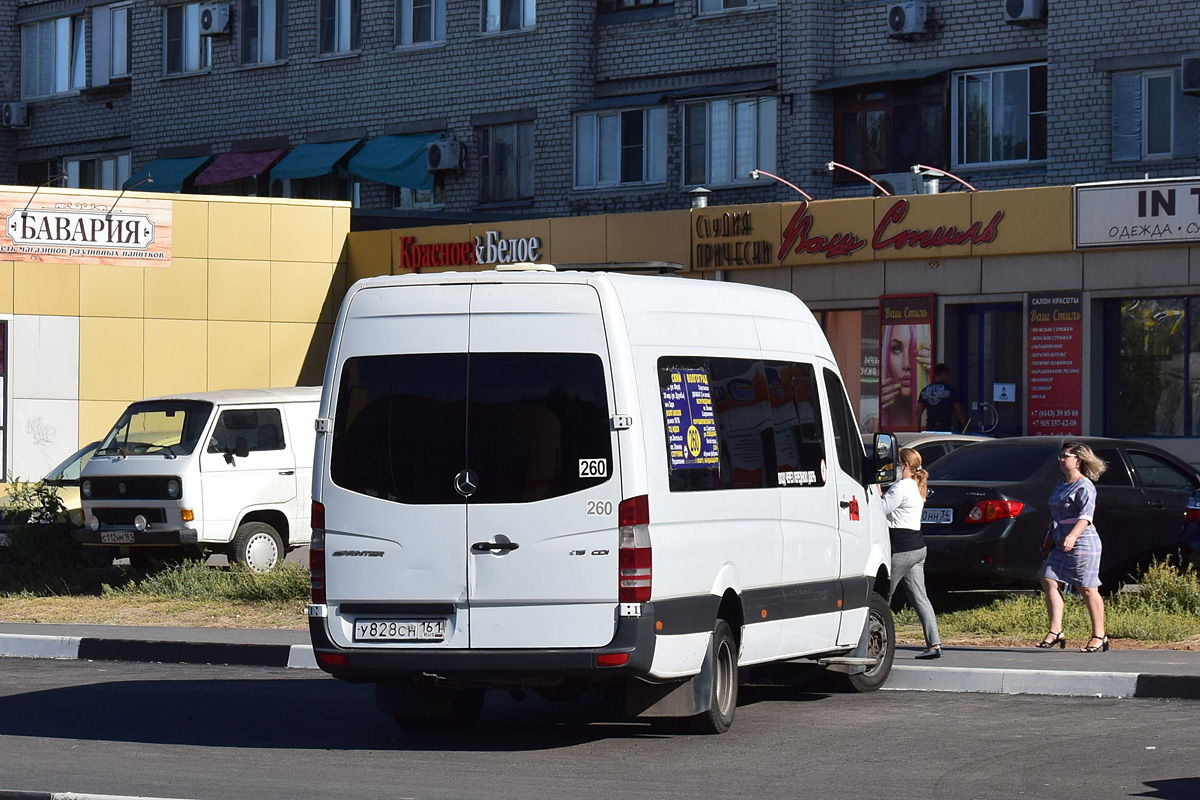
[1017, 681]
[90, 649]
[8, 794]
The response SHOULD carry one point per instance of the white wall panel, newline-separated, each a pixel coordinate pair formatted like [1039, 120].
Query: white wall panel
[43, 432]
[44, 357]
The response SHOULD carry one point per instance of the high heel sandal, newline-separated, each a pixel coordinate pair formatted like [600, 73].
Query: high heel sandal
[1102, 647]
[1053, 639]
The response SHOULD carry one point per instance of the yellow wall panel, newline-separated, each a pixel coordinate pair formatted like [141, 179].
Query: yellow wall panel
[304, 292]
[905, 225]
[6, 287]
[341, 227]
[650, 236]
[110, 358]
[1034, 220]
[239, 230]
[180, 292]
[189, 229]
[301, 233]
[368, 253]
[298, 353]
[106, 291]
[96, 417]
[239, 290]
[176, 356]
[578, 240]
[239, 355]
[46, 289]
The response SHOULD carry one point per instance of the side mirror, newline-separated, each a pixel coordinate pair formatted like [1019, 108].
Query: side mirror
[884, 458]
[241, 446]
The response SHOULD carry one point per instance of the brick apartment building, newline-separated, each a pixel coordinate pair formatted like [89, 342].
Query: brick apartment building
[588, 106]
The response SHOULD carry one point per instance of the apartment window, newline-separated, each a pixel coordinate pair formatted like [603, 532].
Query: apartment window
[339, 26]
[508, 15]
[110, 43]
[420, 21]
[1151, 117]
[264, 31]
[403, 197]
[891, 127]
[621, 147]
[97, 172]
[1000, 115]
[185, 49]
[506, 163]
[52, 56]
[725, 139]
[716, 6]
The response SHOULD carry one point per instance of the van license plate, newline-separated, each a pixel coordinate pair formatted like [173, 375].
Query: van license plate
[116, 537]
[937, 516]
[400, 630]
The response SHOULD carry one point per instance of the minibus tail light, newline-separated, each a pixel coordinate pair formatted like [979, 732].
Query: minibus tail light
[316, 554]
[634, 561]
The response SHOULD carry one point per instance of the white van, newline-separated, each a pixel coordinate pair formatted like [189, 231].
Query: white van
[184, 475]
[551, 480]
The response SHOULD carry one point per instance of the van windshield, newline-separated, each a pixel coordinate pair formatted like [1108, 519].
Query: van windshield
[160, 427]
[529, 426]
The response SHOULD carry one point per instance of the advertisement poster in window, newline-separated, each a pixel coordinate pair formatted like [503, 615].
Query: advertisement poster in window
[905, 343]
[1055, 359]
[691, 423]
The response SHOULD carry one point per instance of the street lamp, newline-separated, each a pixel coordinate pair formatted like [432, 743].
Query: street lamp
[921, 169]
[832, 165]
[754, 173]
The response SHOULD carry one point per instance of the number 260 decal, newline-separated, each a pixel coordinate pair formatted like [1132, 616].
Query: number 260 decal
[599, 508]
[593, 467]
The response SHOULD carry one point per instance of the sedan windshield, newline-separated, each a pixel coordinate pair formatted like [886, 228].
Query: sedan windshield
[992, 464]
[161, 427]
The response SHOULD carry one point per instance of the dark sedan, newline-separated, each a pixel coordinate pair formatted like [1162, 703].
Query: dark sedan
[987, 509]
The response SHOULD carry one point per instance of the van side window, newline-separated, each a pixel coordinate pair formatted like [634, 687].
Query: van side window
[740, 423]
[262, 428]
[530, 426]
[847, 440]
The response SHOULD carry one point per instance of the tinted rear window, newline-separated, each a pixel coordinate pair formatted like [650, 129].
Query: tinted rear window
[993, 464]
[405, 426]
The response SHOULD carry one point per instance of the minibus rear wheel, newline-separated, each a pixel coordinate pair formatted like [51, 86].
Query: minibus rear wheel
[719, 717]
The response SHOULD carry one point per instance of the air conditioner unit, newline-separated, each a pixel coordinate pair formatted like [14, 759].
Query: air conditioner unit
[906, 19]
[1024, 12]
[1189, 67]
[14, 115]
[214, 19]
[900, 182]
[444, 154]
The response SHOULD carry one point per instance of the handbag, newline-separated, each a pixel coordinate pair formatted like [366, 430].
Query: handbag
[1048, 540]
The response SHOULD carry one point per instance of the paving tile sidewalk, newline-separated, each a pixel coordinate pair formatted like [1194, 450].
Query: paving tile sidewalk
[1014, 670]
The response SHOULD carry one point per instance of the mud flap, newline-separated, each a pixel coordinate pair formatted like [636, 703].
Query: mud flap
[676, 699]
[859, 652]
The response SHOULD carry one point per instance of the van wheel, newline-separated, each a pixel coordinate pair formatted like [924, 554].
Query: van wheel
[465, 708]
[881, 645]
[719, 717]
[257, 546]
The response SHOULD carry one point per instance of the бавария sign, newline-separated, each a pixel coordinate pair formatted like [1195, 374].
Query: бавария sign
[76, 229]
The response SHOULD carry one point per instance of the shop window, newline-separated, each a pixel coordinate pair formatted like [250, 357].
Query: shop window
[339, 26]
[110, 43]
[38, 173]
[734, 423]
[1153, 367]
[264, 31]
[1151, 118]
[620, 148]
[420, 21]
[889, 128]
[1000, 115]
[508, 15]
[506, 162]
[725, 139]
[97, 172]
[717, 6]
[184, 49]
[53, 59]
[854, 338]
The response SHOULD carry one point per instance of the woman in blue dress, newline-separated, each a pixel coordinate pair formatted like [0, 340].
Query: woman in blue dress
[1075, 558]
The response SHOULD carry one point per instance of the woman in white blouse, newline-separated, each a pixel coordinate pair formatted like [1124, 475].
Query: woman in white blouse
[903, 504]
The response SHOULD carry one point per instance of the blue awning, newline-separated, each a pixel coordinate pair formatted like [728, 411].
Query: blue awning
[624, 101]
[395, 160]
[895, 76]
[165, 174]
[312, 160]
[753, 87]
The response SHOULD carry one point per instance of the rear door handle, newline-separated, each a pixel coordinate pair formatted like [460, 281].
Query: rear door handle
[287, 472]
[503, 547]
[844, 503]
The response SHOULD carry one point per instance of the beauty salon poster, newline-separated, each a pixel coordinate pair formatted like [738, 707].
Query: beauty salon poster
[905, 358]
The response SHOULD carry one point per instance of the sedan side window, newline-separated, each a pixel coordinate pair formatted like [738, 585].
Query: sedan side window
[1117, 473]
[1157, 473]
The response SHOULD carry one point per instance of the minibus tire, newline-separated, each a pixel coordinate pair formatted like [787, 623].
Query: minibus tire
[881, 645]
[252, 545]
[719, 716]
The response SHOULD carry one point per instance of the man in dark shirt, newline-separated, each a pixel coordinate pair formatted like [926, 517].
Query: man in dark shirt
[940, 401]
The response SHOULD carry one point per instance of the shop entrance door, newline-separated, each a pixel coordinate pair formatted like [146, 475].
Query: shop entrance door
[991, 367]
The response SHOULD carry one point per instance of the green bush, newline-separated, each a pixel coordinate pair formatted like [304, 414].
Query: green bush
[193, 580]
[46, 559]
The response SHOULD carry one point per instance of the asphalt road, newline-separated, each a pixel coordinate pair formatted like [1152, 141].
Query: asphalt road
[218, 732]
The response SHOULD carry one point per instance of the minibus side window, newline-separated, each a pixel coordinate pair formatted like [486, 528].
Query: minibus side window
[847, 440]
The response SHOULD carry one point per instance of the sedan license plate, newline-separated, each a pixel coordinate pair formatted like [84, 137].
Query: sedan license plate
[937, 516]
[400, 630]
[116, 537]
